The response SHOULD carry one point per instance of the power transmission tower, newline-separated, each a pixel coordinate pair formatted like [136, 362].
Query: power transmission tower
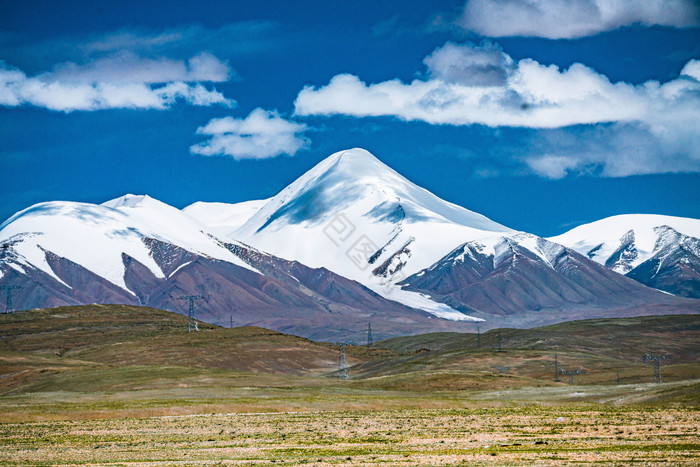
[556, 368]
[478, 338]
[342, 365]
[370, 340]
[9, 307]
[191, 313]
[656, 360]
[572, 373]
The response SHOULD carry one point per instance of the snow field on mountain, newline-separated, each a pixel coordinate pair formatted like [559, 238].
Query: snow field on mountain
[222, 218]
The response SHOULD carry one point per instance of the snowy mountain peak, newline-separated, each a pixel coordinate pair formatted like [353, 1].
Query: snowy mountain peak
[359, 218]
[359, 165]
[132, 201]
[357, 180]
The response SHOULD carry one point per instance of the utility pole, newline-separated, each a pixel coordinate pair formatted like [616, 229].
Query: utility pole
[231, 321]
[191, 313]
[9, 307]
[370, 340]
[556, 369]
[342, 365]
[478, 337]
[656, 361]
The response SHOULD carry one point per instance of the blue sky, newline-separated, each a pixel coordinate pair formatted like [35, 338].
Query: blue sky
[538, 117]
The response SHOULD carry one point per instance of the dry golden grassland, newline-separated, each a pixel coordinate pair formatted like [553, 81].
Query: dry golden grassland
[119, 385]
[487, 436]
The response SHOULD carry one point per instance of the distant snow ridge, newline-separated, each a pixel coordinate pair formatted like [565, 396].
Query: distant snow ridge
[660, 251]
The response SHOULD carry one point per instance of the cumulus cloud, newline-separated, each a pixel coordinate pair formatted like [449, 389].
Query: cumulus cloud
[555, 19]
[483, 65]
[262, 134]
[480, 84]
[692, 69]
[121, 81]
[471, 84]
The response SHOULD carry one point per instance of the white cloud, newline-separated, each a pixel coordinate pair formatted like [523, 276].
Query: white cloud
[692, 69]
[556, 19]
[122, 81]
[523, 94]
[551, 166]
[471, 84]
[261, 135]
[127, 67]
[231, 39]
[483, 65]
[613, 150]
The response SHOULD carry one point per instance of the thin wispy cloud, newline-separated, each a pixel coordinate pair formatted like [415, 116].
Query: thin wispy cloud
[613, 150]
[234, 39]
[261, 135]
[479, 84]
[555, 19]
[127, 67]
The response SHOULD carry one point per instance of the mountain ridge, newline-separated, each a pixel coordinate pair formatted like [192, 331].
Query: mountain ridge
[662, 252]
[349, 241]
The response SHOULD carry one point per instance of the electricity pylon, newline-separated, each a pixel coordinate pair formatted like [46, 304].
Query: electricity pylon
[191, 313]
[370, 340]
[9, 307]
[573, 373]
[656, 360]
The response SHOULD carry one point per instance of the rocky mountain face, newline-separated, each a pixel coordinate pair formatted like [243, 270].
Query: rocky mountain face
[675, 265]
[503, 282]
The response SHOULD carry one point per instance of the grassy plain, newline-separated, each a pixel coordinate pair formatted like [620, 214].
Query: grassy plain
[119, 385]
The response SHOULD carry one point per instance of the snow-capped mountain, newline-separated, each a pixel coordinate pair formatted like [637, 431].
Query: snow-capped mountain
[96, 236]
[662, 252]
[359, 218]
[137, 250]
[348, 242]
